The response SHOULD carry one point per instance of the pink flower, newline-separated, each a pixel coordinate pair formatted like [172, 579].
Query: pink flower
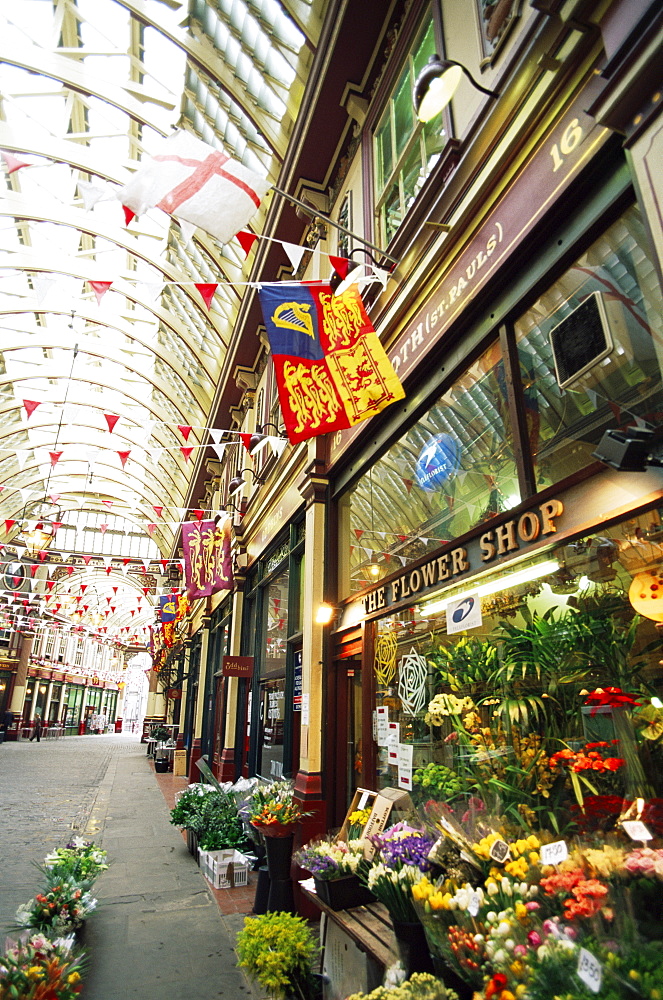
[535, 939]
[520, 950]
[532, 905]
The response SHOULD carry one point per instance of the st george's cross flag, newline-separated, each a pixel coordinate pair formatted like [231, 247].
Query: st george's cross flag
[198, 184]
[331, 369]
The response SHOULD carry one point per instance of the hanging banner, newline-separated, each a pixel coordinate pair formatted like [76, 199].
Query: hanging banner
[207, 561]
[331, 369]
[167, 608]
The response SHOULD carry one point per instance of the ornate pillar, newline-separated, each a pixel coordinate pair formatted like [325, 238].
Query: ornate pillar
[196, 751]
[21, 680]
[47, 706]
[227, 771]
[308, 783]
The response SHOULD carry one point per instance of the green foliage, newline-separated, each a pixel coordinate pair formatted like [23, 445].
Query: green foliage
[211, 815]
[187, 809]
[278, 950]
[464, 666]
[439, 782]
[420, 986]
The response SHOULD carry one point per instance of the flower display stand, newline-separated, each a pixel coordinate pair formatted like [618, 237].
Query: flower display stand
[279, 858]
[343, 893]
[413, 947]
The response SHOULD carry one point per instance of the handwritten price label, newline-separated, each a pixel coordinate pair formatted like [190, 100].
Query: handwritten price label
[554, 854]
[474, 904]
[589, 970]
[499, 851]
[636, 830]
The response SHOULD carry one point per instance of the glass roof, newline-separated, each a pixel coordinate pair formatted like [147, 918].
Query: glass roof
[87, 89]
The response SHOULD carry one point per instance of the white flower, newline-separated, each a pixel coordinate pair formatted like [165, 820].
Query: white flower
[503, 928]
[492, 889]
[500, 957]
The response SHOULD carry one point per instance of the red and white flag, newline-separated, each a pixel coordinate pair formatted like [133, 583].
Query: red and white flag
[195, 182]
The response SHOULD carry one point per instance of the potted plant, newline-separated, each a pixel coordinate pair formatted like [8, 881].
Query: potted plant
[272, 810]
[420, 986]
[335, 867]
[278, 950]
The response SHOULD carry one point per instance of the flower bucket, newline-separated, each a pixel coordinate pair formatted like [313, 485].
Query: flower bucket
[274, 829]
[413, 947]
[343, 893]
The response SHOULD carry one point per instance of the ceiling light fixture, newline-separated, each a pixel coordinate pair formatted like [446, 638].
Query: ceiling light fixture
[514, 579]
[436, 85]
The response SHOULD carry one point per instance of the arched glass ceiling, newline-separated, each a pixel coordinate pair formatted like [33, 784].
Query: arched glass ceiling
[87, 88]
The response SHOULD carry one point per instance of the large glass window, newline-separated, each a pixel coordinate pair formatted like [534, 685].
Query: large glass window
[616, 285]
[454, 468]
[405, 150]
[487, 708]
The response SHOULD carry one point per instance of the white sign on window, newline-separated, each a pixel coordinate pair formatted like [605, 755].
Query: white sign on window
[393, 739]
[383, 724]
[464, 614]
[405, 766]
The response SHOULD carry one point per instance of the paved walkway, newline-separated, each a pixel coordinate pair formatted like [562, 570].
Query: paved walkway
[158, 933]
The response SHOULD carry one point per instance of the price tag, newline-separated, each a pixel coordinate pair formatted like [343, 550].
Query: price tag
[554, 854]
[589, 970]
[636, 829]
[474, 904]
[499, 851]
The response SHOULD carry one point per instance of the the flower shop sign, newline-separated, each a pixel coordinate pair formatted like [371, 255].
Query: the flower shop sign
[503, 539]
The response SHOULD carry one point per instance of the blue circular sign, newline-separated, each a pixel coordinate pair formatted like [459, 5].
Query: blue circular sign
[438, 461]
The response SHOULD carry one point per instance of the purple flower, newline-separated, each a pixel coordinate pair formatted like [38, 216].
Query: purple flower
[404, 845]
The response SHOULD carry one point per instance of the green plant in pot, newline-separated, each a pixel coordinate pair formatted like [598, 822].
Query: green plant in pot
[278, 950]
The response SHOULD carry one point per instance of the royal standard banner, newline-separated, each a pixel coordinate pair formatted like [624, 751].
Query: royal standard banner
[207, 562]
[168, 608]
[331, 369]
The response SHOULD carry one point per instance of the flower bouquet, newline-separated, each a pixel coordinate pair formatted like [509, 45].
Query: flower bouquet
[272, 809]
[62, 907]
[80, 861]
[335, 867]
[38, 967]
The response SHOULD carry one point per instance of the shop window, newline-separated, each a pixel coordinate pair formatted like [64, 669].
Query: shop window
[453, 469]
[610, 296]
[482, 712]
[405, 150]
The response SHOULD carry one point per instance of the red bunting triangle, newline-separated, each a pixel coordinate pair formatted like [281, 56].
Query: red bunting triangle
[340, 264]
[9, 524]
[111, 420]
[109, 503]
[114, 591]
[13, 163]
[99, 288]
[54, 497]
[31, 405]
[55, 457]
[70, 569]
[198, 514]
[86, 560]
[50, 584]
[83, 588]
[103, 528]
[109, 599]
[129, 214]
[207, 292]
[359, 532]
[184, 430]
[186, 452]
[109, 570]
[56, 525]
[409, 483]
[246, 441]
[151, 528]
[146, 590]
[124, 455]
[157, 510]
[246, 240]
[33, 570]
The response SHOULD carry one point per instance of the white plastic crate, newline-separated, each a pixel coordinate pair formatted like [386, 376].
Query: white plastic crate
[220, 875]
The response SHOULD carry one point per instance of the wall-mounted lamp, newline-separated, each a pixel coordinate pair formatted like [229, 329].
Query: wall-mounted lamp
[231, 506]
[436, 85]
[325, 614]
[236, 483]
[259, 439]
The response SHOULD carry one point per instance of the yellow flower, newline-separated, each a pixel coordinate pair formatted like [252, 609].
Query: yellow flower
[73, 978]
[36, 972]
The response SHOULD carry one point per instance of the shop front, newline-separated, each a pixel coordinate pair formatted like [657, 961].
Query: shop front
[489, 567]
